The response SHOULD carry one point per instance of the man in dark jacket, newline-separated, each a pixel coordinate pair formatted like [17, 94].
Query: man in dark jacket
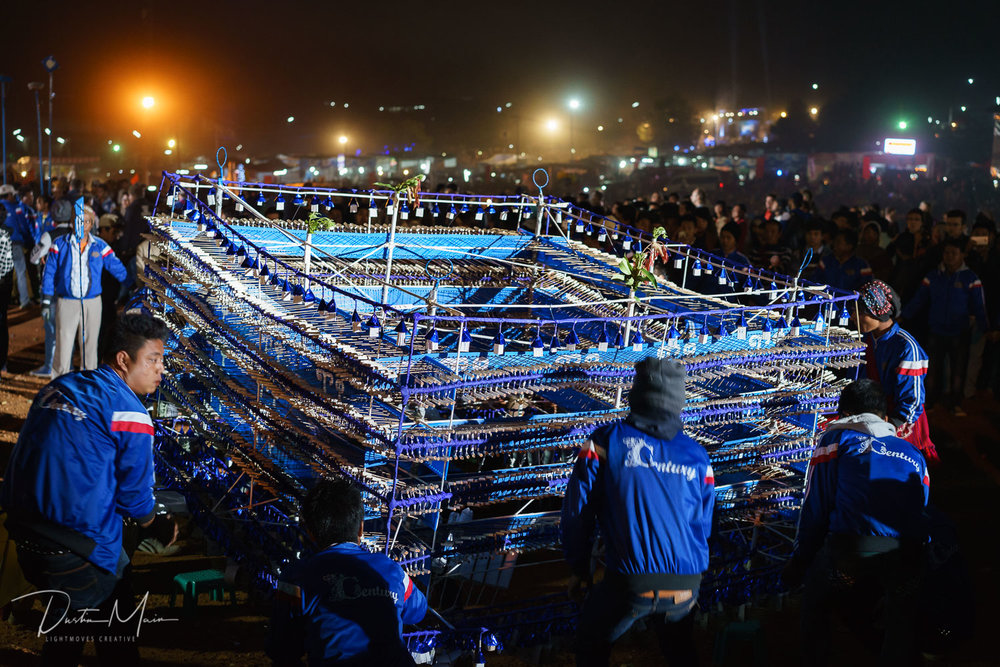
[135, 225]
[953, 296]
[652, 490]
[861, 529]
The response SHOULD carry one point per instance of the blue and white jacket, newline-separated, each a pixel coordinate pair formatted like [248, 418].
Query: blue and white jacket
[75, 275]
[953, 298]
[13, 220]
[653, 500]
[83, 460]
[862, 481]
[344, 602]
[899, 364]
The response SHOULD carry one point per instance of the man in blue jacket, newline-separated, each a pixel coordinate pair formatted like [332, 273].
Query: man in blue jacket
[84, 462]
[18, 222]
[72, 279]
[652, 490]
[861, 529]
[345, 605]
[955, 303]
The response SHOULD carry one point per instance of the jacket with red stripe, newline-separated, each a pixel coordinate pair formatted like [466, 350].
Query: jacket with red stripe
[862, 481]
[953, 298]
[75, 275]
[653, 500]
[342, 603]
[899, 364]
[83, 460]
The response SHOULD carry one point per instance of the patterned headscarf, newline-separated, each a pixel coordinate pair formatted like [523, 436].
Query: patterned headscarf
[879, 300]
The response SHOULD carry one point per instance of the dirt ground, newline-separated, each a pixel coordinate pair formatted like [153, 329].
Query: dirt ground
[964, 486]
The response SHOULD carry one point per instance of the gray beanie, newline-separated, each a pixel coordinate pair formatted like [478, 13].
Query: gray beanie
[62, 210]
[658, 389]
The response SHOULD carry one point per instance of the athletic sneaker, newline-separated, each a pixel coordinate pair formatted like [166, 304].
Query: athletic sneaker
[42, 372]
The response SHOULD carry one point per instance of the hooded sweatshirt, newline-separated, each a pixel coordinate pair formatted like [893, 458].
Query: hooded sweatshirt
[862, 481]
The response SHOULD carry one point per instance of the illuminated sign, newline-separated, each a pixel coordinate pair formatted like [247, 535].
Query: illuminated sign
[900, 146]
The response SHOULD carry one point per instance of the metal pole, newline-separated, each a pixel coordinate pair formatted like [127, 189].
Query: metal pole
[52, 94]
[391, 243]
[3, 122]
[38, 115]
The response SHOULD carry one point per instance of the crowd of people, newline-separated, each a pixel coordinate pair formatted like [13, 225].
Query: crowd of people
[945, 270]
[71, 253]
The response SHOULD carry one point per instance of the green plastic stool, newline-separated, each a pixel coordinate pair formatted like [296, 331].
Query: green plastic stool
[195, 583]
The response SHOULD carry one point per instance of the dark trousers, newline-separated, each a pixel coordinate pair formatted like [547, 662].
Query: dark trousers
[6, 285]
[610, 610]
[81, 585]
[953, 351]
[875, 594]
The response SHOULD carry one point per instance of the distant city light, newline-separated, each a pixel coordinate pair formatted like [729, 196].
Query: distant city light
[136, 134]
[290, 119]
[574, 104]
[205, 166]
[499, 109]
[148, 102]
[60, 140]
[171, 143]
[116, 148]
[342, 139]
[333, 104]
[971, 80]
[346, 105]
[600, 128]
[48, 132]
[508, 105]
[784, 114]
[635, 105]
[813, 111]
[901, 124]
[962, 108]
[815, 86]
[167, 151]
[551, 125]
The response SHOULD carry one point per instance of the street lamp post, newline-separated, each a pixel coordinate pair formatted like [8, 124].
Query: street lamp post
[35, 86]
[4, 80]
[50, 65]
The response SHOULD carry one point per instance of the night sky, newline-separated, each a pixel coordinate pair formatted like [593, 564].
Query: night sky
[233, 71]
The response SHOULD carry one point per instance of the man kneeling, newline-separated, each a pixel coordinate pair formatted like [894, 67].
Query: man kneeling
[344, 605]
[861, 529]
